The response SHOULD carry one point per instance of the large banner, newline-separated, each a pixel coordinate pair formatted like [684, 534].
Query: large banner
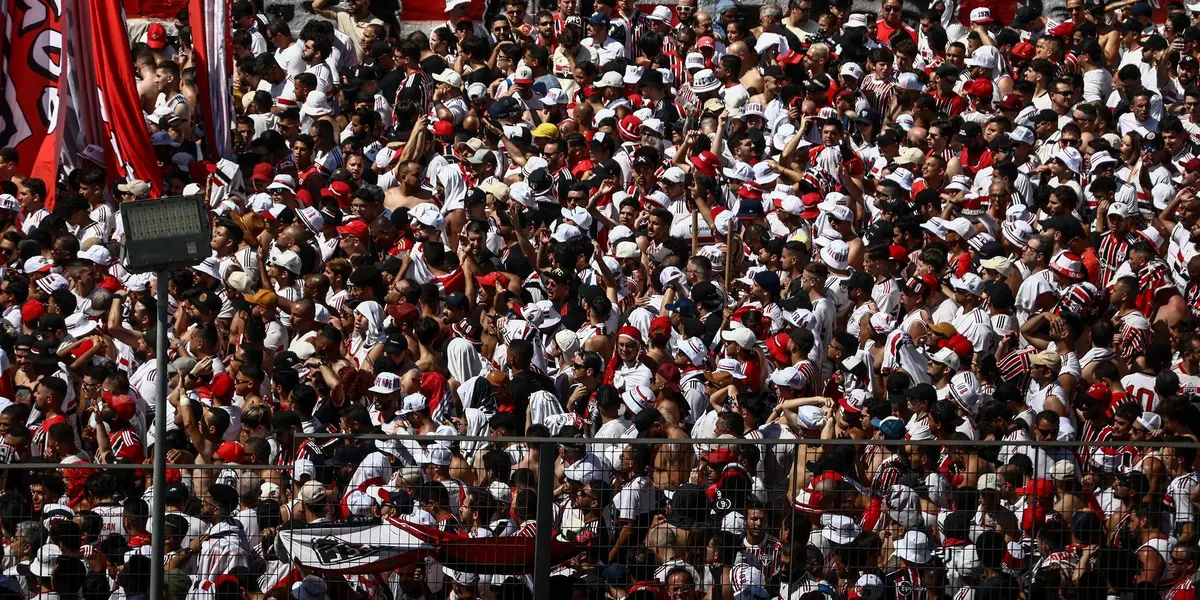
[350, 549]
[31, 55]
[374, 547]
[210, 27]
[154, 9]
[128, 152]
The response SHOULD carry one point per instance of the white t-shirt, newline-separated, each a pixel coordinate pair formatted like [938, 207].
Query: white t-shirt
[635, 499]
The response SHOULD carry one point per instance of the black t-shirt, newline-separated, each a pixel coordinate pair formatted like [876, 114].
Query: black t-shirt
[572, 314]
[712, 326]
[488, 262]
[1000, 587]
[388, 84]
[666, 112]
[412, 87]
[433, 64]
[514, 261]
[524, 384]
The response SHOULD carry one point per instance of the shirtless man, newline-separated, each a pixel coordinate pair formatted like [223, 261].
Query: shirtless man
[409, 192]
[750, 77]
[147, 89]
[673, 462]
[32, 364]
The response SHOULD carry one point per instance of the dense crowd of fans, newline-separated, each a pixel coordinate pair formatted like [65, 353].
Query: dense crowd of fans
[758, 227]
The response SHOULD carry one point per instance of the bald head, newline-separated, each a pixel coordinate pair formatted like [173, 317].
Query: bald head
[917, 137]
[297, 233]
[304, 308]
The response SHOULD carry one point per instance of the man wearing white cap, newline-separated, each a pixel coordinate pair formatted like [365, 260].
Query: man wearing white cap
[943, 364]
[448, 91]
[968, 291]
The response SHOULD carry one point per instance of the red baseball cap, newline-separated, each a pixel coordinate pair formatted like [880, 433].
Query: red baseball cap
[980, 88]
[263, 172]
[231, 452]
[706, 163]
[403, 313]
[1097, 391]
[960, 345]
[492, 278]
[1038, 488]
[123, 405]
[719, 456]
[357, 228]
[443, 128]
[156, 36]
[898, 253]
[749, 192]
[793, 57]
[1009, 102]
[222, 387]
[811, 200]
[340, 190]
[660, 324]
[1024, 50]
[110, 283]
[706, 42]
[32, 310]
[1063, 29]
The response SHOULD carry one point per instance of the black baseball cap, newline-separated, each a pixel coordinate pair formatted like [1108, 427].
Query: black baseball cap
[1045, 115]
[922, 391]
[558, 275]
[860, 281]
[458, 301]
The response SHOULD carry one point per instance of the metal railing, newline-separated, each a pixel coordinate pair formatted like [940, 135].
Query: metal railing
[707, 517]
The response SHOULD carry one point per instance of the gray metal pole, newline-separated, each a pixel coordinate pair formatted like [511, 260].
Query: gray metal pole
[548, 453]
[160, 447]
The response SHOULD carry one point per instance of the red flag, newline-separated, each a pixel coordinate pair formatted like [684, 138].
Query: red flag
[32, 65]
[128, 152]
[200, 61]
[210, 31]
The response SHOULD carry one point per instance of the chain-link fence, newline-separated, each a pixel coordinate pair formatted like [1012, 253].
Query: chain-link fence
[727, 518]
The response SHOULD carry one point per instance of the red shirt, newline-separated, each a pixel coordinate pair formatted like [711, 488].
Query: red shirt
[41, 435]
[126, 446]
[754, 374]
[961, 264]
[581, 168]
[451, 282]
[884, 32]
[975, 162]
